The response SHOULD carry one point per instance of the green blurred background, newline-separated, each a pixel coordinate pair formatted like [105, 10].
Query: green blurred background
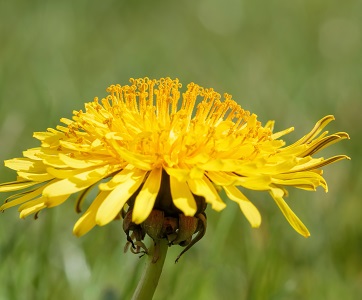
[292, 61]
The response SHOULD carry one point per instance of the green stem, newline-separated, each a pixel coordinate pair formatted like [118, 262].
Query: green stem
[152, 271]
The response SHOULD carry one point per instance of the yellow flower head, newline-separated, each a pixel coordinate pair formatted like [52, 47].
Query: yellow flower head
[146, 147]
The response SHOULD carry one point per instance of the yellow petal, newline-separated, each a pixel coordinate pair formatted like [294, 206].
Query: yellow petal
[199, 157]
[55, 201]
[32, 153]
[63, 174]
[259, 183]
[25, 164]
[31, 207]
[117, 198]
[66, 121]
[249, 210]
[270, 125]
[120, 177]
[182, 197]
[81, 162]
[179, 174]
[75, 146]
[47, 135]
[315, 131]
[23, 197]
[317, 163]
[226, 165]
[35, 177]
[203, 187]
[197, 173]
[220, 178]
[143, 162]
[320, 144]
[293, 220]
[277, 135]
[306, 180]
[88, 220]
[75, 183]
[147, 196]
[16, 185]
[53, 161]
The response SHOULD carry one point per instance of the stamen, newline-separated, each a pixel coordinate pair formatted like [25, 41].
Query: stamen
[189, 98]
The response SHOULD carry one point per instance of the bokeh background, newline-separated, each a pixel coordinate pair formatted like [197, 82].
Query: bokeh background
[292, 61]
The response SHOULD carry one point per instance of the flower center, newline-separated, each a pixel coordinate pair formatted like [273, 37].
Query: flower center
[149, 122]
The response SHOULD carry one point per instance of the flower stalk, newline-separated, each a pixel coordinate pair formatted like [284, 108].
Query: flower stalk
[153, 265]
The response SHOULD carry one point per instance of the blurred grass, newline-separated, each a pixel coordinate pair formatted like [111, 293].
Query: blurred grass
[289, 61]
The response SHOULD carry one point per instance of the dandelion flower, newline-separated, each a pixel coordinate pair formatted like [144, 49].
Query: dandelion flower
[153, 154]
